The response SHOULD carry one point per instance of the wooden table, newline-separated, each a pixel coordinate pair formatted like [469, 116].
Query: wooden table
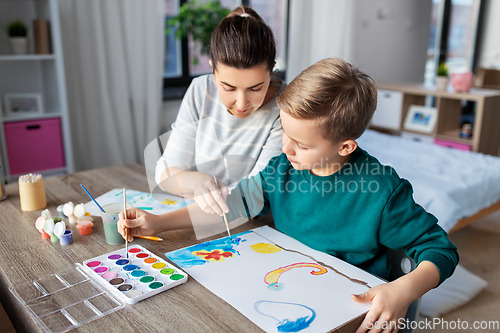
[25, 256]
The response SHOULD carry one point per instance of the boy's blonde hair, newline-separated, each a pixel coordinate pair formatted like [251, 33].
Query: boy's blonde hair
[338, 94]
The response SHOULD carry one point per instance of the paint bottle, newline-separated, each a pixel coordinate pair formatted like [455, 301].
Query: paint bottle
[32, 193]
[3, 194]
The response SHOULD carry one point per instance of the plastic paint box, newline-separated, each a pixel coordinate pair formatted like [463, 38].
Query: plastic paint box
[80, 293]
[34, 145]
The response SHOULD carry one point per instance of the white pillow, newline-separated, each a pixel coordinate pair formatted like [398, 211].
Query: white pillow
[456, 291]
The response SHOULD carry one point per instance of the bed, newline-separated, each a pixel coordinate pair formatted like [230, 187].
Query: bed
[456, 186]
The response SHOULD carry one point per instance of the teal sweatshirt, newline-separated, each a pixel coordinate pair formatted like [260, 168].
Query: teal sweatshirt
[356, 214]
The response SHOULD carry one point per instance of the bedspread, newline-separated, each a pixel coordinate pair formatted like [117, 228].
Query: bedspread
[449, 183]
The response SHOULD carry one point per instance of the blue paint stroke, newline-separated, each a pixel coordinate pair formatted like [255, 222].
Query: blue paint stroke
[186, 259]
[287, 325]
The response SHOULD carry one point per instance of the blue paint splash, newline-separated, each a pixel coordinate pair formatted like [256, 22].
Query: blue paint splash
[287, 325]
[185, 258]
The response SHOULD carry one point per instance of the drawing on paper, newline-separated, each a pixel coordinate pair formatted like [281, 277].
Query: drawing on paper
[318, 286]
[213, 251]
[169, 202]
[285, 324]
[214, 255]
[157, 204]
[272, 277]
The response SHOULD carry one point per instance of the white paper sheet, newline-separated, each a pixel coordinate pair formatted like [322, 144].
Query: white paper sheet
[155, 204]
[277, 282]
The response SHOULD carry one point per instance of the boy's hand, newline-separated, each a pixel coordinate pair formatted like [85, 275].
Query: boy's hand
[208, 196]
[139, 223]
[389, 304]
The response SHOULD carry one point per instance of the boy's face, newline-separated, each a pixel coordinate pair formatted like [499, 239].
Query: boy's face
[306, 148]
[242, 91]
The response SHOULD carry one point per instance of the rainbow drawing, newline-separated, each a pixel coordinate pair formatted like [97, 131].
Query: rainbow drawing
[272, 277]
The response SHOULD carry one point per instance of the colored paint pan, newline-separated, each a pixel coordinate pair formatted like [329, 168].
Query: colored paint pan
[147, 279]
[159, 265]
[134, 293]
[137, 274]
[129, 268]
[155, 285]
[114, 257]
[93, 264]
[125, 287]
[150, 260]
[116, 281]
[101, 269]
[122, 262]
[109, 275]
[167, 271]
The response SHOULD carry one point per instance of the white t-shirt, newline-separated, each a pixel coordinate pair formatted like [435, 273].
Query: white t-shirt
[207, 138]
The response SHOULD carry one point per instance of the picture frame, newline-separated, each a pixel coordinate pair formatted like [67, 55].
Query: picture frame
[20, 104]
[420, 119]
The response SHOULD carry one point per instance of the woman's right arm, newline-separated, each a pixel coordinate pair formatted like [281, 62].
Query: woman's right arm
[179, 156]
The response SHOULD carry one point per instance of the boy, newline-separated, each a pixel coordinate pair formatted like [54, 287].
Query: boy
[331, 195]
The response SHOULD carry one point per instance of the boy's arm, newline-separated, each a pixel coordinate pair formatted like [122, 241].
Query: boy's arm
[248, 199]
[142, 223]
[390, 301]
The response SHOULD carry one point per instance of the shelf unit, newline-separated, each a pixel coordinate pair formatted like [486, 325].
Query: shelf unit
[41, 74]
[486, 136]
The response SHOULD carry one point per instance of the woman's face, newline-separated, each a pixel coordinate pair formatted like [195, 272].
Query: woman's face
[242, 91]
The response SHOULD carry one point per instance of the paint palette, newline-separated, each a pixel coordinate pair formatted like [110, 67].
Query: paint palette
[78, 294]
[142, 275]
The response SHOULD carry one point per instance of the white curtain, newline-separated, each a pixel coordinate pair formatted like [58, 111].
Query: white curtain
[318, 29]
[113, 54]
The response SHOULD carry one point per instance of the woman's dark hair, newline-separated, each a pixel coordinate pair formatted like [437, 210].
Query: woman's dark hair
[243, 40]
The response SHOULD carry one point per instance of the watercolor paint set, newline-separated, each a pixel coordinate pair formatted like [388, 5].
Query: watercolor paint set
[80, 293]
[142, 275]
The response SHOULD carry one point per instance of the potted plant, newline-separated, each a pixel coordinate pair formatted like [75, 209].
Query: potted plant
[18, 36]
[198, 21]
[442, 76]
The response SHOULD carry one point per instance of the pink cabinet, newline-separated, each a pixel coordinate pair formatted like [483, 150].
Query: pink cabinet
[34, 146]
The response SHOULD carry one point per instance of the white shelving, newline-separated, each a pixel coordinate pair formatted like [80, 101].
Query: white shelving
[41, 74]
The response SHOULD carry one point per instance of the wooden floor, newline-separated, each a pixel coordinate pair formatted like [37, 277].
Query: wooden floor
[5, 324]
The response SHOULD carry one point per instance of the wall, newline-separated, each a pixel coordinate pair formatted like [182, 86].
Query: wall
[489, 50]
[386, 38]
[390, 38]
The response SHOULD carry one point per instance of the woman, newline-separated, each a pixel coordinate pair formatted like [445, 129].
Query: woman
[228, 123]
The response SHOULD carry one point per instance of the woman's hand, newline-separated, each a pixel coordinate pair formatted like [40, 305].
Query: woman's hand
[198, 186]
[208, 196]
[390, 302]
[139, 223]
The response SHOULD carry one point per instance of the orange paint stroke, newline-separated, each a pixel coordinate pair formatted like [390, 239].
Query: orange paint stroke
[274, 275]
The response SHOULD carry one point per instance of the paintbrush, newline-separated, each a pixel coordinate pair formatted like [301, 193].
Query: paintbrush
[91, 197]
[154, 238]
[223, 213]
[124, 218]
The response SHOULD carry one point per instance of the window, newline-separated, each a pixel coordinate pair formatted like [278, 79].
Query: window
[179, 68]
[453, 36]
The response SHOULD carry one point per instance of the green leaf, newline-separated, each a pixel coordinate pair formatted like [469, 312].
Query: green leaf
[17, 28]
[199, 21]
